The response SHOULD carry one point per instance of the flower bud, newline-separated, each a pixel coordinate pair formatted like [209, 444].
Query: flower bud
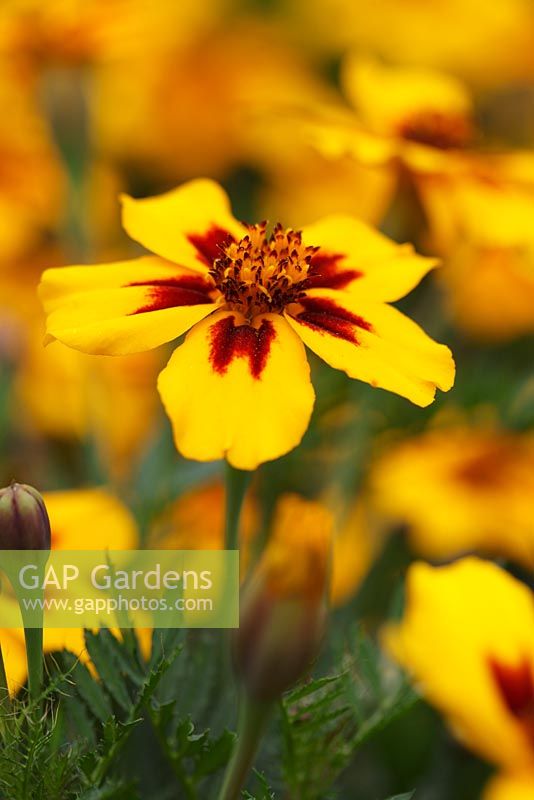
[24, 523]
[284, 603]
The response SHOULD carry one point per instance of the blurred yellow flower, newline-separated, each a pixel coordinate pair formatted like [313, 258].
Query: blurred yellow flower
[239, 386]
[416, 121]
[196, 521]
[72, 519]
[67, 395]
[75, 32]
[31, 180]
[302, 184]
[111, 402]
[467, 638]
[482, 220]
[510, 787]
[188, 111]
[461, 489]
[489, 43]
[356, 543]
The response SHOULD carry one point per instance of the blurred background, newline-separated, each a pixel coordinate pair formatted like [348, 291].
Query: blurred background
[417, 117]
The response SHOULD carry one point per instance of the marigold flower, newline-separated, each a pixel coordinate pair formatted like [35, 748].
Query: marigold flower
[196, 522]
[31, 180]
[463, 36]
[483, 221]
[461, 489]
[415, 118]
[239, 386]
[510, 787]
[190, 110]
[467, 637]
[91, 389]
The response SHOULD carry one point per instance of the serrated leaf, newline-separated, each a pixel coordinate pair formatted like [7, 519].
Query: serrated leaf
[88, 689]
[266, 793]
[216, 754]
[104, 660]
[310, 688]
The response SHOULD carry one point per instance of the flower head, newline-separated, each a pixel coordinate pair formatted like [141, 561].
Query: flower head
[467, 637]
[239, 386]
[483, 477]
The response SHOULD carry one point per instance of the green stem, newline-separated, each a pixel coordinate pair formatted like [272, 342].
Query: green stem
[237, 481]
[253, 718]
[34, 654]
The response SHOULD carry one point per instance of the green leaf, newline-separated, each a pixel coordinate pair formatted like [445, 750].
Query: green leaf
[87, 688]
[103, 655]
[406, 796]
[316, 729]
[265, 791]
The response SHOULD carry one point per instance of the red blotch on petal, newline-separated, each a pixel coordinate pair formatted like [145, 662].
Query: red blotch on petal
[184, 290]
[161, 297]
[326, 273]
[229, 341]
[325, 316]
[516, 688]
[209, 243]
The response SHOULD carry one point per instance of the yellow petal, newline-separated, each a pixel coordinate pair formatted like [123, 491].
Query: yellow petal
[510, 787]
[184, 225]
[128, 307]
[59, 283]
[90, 519]
[483, 477]
[355, 257]
[14, 655]
[357, 542]
[387, 96]
[373, 342]
[467, 637]
[237, 391]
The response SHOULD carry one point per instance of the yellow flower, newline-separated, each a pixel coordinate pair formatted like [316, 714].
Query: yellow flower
[356, 542]
[239, 386]
[196, 521]
[91, 389]
[30, 179]
[72, 520]
[462, 36]
[75, 32]
[412, 118]
[482, 220]
[461, 489]
[510, 787]
[188, 111]
[467, 637]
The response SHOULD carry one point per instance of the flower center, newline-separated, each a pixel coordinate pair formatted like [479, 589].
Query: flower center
[262, 273]
[439, 130]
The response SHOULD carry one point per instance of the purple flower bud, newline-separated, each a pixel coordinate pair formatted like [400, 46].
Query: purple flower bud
[24, 523]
